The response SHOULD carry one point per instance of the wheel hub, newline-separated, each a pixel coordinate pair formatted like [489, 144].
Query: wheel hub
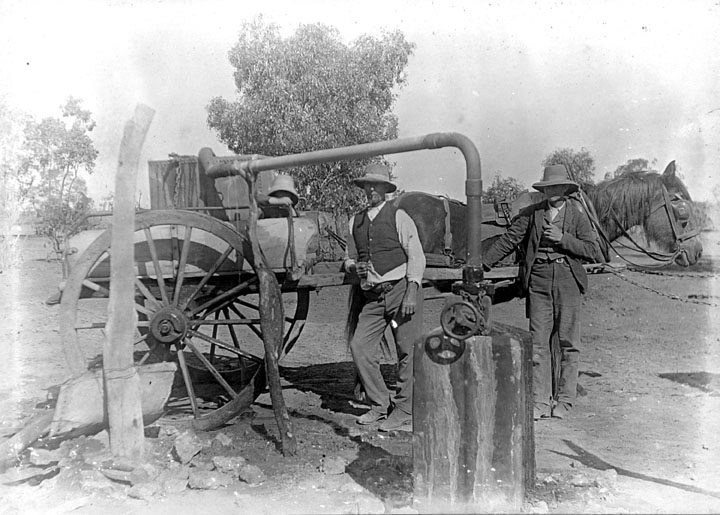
[168, 325]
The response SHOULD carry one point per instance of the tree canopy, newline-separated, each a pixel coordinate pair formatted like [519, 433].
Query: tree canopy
[54, 151]
[638, 164]
[312, 91]
[502, 189]
[579, 163]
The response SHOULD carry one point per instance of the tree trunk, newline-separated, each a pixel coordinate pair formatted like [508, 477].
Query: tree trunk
[472, 441]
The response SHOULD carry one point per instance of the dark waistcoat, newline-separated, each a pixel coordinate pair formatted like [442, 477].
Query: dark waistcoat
[378, 241]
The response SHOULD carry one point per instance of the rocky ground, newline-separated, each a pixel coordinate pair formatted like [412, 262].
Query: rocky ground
[643, 438]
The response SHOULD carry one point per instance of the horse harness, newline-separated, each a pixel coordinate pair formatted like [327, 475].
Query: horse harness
[678, 211]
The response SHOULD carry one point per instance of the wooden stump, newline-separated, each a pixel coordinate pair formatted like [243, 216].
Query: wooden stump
[473, 446]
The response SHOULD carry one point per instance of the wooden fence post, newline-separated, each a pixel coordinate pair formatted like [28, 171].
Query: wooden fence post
[473, 449]
[122, 383]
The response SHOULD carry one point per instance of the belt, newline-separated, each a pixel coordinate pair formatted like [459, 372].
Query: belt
[551, 260]
[383, 287]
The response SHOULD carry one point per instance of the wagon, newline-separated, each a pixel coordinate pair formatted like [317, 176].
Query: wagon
[196, 287]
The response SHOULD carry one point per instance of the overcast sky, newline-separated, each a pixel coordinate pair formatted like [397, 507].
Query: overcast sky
[519, 78]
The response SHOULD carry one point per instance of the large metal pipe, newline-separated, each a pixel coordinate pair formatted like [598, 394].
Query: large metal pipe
[473, 181]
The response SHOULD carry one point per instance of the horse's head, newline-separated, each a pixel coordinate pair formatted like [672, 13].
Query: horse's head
[674, 223]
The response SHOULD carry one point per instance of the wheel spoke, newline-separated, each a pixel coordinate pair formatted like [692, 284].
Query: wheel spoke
[256, 308]
[188, 382]
[223, 345]
[231, 329]
[96, 287]
[225, 321]
[156, 266]
[232, 292]
[220, 379]
[253, 327]
[183, 262]
[207, 277]
[147, 293]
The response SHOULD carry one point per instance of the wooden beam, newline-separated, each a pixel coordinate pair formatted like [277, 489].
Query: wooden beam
[122, 383]
[272, 323]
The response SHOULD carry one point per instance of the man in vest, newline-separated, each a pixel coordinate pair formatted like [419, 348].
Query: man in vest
[556, 237]
[385, 252]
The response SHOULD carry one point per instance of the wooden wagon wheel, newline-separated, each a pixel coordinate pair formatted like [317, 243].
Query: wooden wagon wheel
[196, 304]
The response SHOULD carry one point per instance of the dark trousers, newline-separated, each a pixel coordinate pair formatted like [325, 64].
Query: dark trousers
[554, 302]
[375, 316]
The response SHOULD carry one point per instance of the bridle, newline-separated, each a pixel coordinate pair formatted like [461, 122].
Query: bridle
[678, 211]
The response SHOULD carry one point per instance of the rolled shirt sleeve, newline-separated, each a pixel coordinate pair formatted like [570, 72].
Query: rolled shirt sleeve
[410, 241]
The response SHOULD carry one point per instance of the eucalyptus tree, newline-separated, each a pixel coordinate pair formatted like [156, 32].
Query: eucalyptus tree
[310, 91]
[54, 152]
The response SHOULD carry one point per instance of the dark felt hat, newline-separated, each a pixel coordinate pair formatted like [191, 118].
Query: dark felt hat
[555, 175]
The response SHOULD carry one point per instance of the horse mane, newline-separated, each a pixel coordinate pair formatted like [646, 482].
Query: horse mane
[626, 199]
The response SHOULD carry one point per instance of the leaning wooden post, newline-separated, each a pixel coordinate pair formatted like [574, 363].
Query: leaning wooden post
[122, 383]
[473, 446]
[272, 323]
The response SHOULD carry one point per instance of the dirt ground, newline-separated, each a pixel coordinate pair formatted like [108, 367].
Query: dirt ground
[643, 438]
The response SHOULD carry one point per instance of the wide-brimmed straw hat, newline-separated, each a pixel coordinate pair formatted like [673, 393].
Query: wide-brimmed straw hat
[555, 175]
[286, 184]
[376, 172]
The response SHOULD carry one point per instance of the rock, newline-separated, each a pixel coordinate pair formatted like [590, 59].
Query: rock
[144, 492]
[252, 475]
[152, 431]
[539, 507]
[369, 504]
[42, 457]
[143, 473]
[202, 464]
[580, 480]
[223, 439]
[333, 466]
[208, 480]
[607, 479]
[174, 480]
[186, 446]
[351, 487]
[229, 464]
[93, 480]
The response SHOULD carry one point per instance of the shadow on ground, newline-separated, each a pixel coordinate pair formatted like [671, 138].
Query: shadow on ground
[333, 383]
[593, 461]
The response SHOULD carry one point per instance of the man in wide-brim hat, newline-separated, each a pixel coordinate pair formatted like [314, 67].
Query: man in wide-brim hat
[385, 253]
[557, 236]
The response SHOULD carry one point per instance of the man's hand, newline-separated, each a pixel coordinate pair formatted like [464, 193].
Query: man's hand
[360, 268]
[407, 309]
[552, 232]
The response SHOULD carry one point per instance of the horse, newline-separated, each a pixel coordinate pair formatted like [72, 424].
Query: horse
[660, 204]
